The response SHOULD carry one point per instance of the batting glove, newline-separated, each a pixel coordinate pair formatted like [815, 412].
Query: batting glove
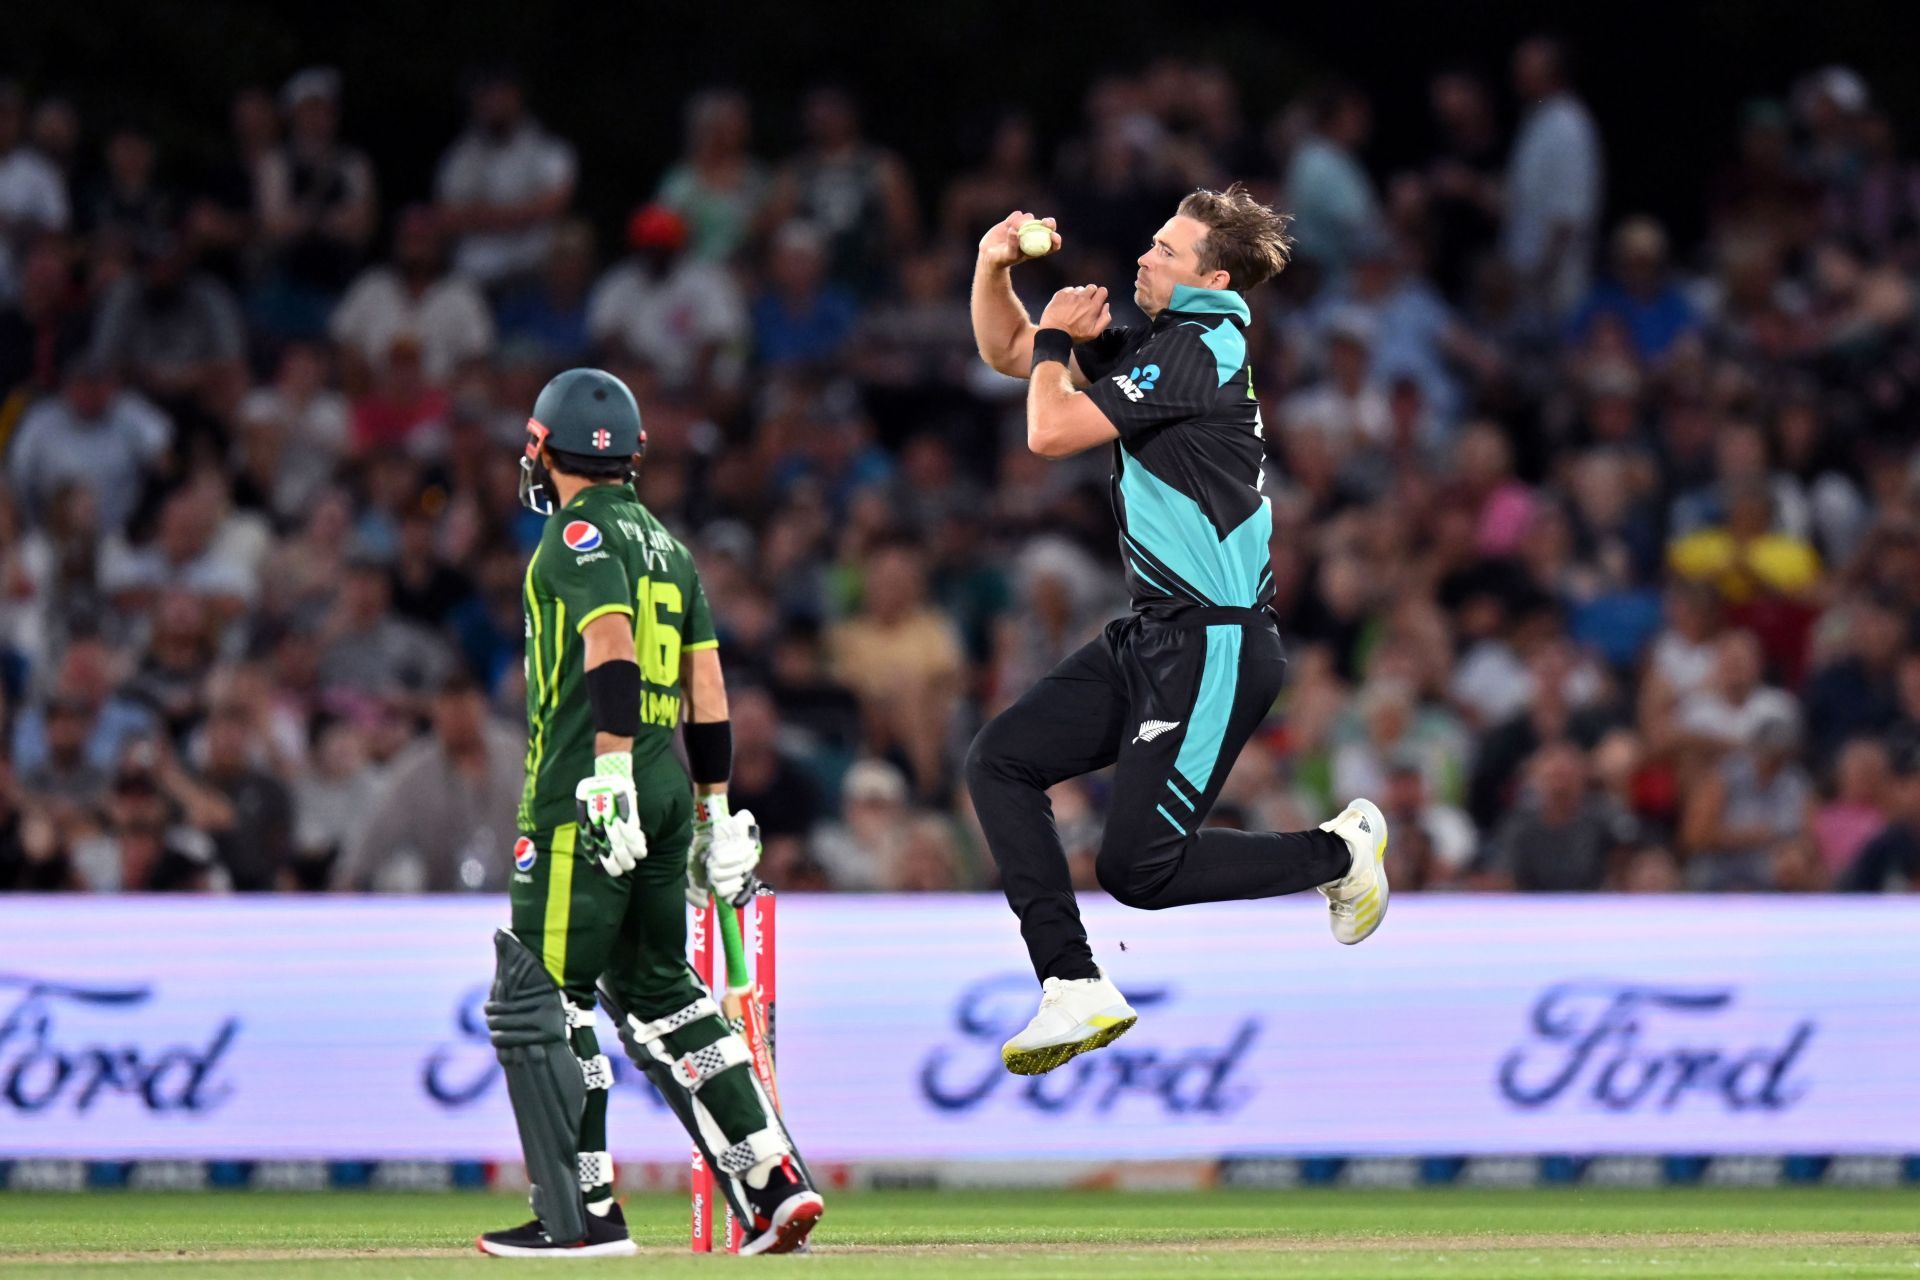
[726, 849]
[609, 814]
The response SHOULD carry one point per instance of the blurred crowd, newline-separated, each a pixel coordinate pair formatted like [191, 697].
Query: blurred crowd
[1597, 554]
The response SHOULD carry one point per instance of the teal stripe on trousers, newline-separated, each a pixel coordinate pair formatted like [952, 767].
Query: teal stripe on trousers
[1207, 725]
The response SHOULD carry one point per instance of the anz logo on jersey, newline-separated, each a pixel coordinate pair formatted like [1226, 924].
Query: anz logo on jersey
[1136, 384]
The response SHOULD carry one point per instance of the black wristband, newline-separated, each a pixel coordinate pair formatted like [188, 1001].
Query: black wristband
[1051, 344]
[613, 689]
[709, 751]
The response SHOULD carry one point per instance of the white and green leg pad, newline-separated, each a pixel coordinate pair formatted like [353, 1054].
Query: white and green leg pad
[680, 1075]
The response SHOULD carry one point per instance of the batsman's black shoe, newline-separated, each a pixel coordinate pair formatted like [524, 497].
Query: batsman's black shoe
[606, 1238]
[784, 1211]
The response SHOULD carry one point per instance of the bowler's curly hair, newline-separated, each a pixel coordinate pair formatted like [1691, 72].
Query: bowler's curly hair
[1245, 238]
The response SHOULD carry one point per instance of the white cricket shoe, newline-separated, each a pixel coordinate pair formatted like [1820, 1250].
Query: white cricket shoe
[1075, 1016]
[1357, 902]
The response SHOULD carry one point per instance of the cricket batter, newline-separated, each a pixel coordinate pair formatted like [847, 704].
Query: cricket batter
[1172, 691]
[618, 635]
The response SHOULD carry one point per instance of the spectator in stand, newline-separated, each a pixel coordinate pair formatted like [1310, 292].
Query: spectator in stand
[1730, 707]
[857, 194]
[1009, 177]
[175, 333]
[66, 777]
[128, 204]
[1437, 841]
[331, 799]
[903, 659]
[718, 188]
[1415, 336]
[1328, 191]
[157, 833]
[33, 198]
[1904, 735]
[199, 546]
[860, 851]
[928, 860]
[768, 780]
[1743, 815]
[1562, 838]
[40, 330]
[1745, 558]
[1462, 179]
[676, 311]
[225, 212]
[546, 319]
[402, 412]
[369, 650]
[1553, 192]
[1880, 209]
[1890, 862]
[1764, 194]
[293, 433]
[88, 679]
[443, 820]
[1856, 692]
[413, 296]
[909, 354]
[504, 185]
[257, 847]
[427, 589]
[1640, 294]
[1346, 410]
[1862, 783]
[94, 433]
[317, 207]
[32, 857]
[802, 317]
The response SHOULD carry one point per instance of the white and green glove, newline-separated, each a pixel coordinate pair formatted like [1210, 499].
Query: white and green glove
[726, 849]
[609, 814]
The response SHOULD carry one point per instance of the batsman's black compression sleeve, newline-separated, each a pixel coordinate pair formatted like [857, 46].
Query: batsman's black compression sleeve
[613, 688]
[709, 751]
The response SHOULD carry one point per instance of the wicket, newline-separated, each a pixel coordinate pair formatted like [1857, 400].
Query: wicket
[709, 962]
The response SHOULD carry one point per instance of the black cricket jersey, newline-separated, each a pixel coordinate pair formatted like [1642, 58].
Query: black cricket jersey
[1194, 525]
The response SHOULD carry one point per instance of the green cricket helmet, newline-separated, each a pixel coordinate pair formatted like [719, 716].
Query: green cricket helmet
[587, 414]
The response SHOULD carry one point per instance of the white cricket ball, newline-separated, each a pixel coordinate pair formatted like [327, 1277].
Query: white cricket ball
[1036, 238]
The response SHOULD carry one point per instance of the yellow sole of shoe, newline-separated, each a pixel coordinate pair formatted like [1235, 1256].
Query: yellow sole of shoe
[1037, 1062]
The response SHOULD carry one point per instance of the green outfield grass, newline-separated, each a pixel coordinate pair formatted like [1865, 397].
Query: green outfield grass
[1393, 1235]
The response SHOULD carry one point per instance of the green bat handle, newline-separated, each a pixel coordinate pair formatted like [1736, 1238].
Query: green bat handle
[738, 979]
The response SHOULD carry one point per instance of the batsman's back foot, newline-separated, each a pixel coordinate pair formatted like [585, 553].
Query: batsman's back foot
[1076, 1016]
[785, 1211]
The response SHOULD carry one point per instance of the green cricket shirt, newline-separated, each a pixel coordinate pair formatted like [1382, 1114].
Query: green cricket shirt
[602, 553]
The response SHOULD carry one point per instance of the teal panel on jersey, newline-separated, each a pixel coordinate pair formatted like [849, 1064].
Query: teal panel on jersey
[1223, 302]
[1207, 723]
[1247, 550]
[1172, 527]
[1229, 347]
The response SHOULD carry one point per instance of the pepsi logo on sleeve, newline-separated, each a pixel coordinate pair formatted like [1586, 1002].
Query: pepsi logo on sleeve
[581, 536]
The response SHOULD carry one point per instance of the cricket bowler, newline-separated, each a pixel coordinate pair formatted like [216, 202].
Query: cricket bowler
[618, 636]
[1171, 692]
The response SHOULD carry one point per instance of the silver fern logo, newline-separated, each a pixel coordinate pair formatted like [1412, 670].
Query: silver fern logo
[1151, 729]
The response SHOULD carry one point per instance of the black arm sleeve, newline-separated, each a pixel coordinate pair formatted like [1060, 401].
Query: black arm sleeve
[613, 689]
[709, 751]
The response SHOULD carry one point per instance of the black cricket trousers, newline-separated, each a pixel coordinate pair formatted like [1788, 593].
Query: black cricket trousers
[1171, 700]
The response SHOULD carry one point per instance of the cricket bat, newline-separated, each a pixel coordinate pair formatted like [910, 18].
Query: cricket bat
[744, 1007]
